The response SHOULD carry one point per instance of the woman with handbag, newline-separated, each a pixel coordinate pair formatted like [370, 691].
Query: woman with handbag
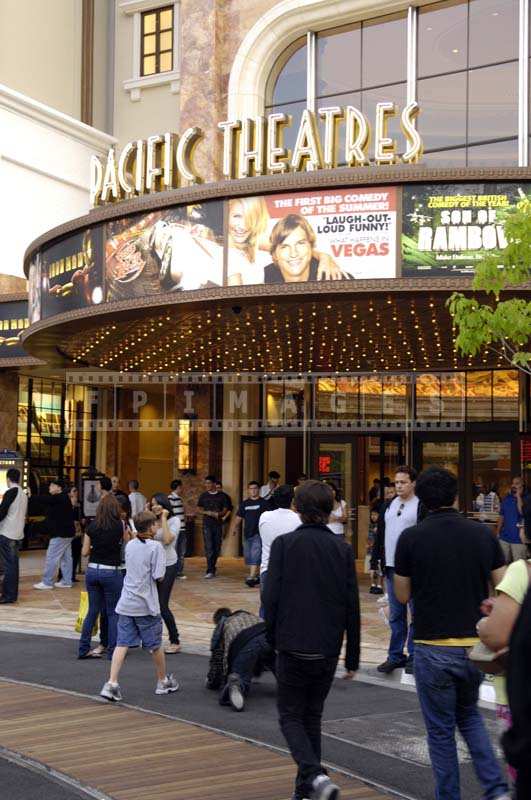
[495, 632]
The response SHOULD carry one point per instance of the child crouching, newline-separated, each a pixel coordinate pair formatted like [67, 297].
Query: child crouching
[138, 608]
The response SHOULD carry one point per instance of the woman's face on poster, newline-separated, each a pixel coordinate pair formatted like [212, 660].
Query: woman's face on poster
[238, 228]
[294, 254]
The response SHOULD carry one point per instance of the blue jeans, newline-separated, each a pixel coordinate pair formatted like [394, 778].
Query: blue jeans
[212, 537]
[104, 587]
[448, 690]
[398, 622]
[59, 554]
[9, 555]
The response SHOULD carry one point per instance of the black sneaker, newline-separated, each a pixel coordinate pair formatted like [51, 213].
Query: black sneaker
[236, 697]
[372, 590]
[409, 667]
[378, 590]
[389, 666]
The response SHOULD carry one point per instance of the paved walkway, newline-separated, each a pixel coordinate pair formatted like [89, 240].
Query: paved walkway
[129, 754]
[193, 603]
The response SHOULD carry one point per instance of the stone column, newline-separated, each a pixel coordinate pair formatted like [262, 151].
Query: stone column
[8, 409]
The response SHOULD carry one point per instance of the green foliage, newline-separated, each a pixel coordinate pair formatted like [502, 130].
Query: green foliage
[502, 326]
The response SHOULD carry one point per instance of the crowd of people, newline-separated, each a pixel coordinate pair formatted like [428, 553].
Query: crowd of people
[457, 593]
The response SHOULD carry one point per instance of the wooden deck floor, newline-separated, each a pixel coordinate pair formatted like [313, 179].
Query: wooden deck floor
[132, 755]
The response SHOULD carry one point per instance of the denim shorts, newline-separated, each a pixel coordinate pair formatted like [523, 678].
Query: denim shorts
[148, 629]
[252, 551]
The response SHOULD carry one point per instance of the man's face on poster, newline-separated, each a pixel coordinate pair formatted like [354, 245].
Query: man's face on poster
[294, 254]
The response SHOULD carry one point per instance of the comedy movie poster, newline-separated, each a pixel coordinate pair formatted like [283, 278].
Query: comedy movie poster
[448, 228]
[347, 234]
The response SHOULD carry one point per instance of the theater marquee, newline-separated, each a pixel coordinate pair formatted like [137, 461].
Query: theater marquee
[253, 147]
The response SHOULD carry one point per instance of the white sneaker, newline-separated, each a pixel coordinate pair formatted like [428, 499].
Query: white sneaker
[111, 691]
[324, 789]
[61, 585]
[383, 600]
[41, 585]
[236, 697]
[169, 684]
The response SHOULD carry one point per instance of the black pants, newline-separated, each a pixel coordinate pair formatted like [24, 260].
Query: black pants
[302, 690]
[523, 783]
[9, 556]
[212, 537]
[164, 588]
[77, 543]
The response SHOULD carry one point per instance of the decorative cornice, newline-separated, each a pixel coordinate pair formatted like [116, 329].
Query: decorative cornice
[334, 178]
[51, 118]
[14, 297]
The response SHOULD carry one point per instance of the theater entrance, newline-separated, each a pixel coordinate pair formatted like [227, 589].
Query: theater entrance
[354, 464]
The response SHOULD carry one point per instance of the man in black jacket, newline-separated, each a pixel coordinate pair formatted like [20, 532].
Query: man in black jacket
[59, 524]
[310, 600]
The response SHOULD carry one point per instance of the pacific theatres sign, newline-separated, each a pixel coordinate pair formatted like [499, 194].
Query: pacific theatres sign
[256, 147]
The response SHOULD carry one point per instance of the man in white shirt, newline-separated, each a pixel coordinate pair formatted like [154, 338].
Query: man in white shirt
[12, 519]
[268, 488]
[400, 513]
[136, 498]
[275, 523]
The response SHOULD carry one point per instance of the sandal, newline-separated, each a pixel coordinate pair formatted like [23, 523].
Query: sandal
[97, 652]
[172, 648]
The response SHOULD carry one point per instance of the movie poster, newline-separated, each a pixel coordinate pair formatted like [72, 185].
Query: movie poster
[448, 228]
[34, 289]
[345, 234]
[177, 249]
[71, 273]
[13, 322]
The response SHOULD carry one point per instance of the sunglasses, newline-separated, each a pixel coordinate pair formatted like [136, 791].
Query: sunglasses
[400, 509]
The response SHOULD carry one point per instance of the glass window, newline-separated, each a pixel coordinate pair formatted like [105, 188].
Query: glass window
[505, 393]
[394, 397]
[337, 399]
[290, 132]
[385, 35]
[349, 99]
[452, 395]
[290, 78]
[479, 396]
[493, 102]
[371, 395]
[284, 401]
[442, 38]
[495, 154]
[157, 41]
[394, 94]
[493, 31]
[441, 454]
[442, 121]
[335, 50]
[428, 397]
[491, 468]
[446, 158]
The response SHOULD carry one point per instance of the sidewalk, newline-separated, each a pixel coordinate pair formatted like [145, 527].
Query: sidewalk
[193, 603]
[131, 754]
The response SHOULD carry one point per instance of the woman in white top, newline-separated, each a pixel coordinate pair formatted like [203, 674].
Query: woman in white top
[167, 534]
[337, 521]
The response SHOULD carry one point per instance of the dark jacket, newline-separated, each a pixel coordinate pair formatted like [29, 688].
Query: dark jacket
[378, 550]
[230, 635]
[517, 741]
[59, 515]
[311, 594]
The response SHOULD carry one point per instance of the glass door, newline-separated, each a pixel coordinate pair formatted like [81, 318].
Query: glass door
[333, 460]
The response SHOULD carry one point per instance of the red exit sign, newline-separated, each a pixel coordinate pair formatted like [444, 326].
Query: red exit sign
[325, 463]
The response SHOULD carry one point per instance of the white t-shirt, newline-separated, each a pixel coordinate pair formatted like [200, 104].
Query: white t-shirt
[273, 524]
[400, 515]
[266, 491]
[333, 521]
[174, 524]
[138, 503]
